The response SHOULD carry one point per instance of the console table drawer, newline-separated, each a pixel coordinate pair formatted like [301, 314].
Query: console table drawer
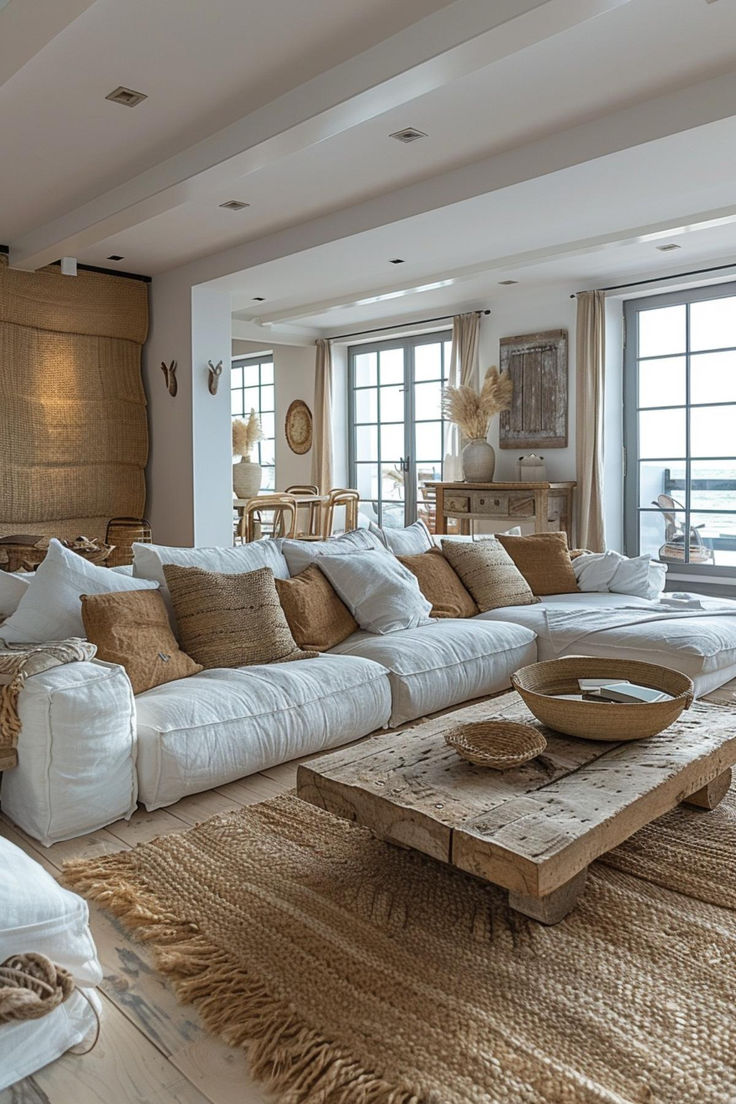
[491, 503]
[457, 504]
[521, 505]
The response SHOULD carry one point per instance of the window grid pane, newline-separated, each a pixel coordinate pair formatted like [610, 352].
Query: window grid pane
[685, 363]
[252, 388]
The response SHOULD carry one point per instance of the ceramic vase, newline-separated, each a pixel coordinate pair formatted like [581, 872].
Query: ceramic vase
[246, 478]
[479, 461]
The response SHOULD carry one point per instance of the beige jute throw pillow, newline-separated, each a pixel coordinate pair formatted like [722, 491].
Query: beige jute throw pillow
[544, 561]
[230, 620]
[317, 616]
[489, 573]
[131, 627]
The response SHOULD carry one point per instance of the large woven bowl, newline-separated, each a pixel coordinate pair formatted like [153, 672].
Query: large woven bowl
[539, 682]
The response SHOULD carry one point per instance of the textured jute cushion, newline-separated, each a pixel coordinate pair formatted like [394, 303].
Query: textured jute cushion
[132, 628]
[440, 584]
[317, 617]
[544, 561]
[230, 620]
[489, 573]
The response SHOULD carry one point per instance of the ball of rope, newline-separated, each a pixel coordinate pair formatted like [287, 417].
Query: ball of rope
[31, 986]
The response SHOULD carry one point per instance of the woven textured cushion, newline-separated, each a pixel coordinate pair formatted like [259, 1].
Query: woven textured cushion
[489, 573]
[318, 619]
[544, 561]
[440, 584]
[230, 620]
[133, 629]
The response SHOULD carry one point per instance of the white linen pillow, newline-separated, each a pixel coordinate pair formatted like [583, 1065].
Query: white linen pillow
[148, 559]
[51, 608]
[12, 589]
[610, 571]
[411, 541]
[382, 595]
[300, 554]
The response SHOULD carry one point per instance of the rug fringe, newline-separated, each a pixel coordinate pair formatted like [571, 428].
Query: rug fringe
[289, 1057]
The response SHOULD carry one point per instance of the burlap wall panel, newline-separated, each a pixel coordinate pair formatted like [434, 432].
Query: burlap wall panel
[73, 426]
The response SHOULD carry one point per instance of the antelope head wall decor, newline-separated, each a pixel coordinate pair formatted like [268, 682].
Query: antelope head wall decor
[215, 371]
[169, 371]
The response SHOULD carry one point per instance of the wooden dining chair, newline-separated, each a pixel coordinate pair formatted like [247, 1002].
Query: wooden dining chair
[341, 496]
[281, 507]
[313, 506]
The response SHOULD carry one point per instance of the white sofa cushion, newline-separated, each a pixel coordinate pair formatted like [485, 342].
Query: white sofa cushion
[300, 554]
[37, 914]
[76, 752]
[50, 609]
[219, 725]
[149, 559]
[12, 589]
[410, 541]
[444, 662]
[703, 646]
[382, 595]
[640, 576]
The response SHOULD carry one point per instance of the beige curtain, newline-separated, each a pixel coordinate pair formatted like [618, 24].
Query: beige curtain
[322, 438]
[590, 360]
[464, 370]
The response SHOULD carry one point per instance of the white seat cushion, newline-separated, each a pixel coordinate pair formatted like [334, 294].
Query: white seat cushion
[76, 752]
[703, 647]
[37, 914]
[437, 665]
[219, 725]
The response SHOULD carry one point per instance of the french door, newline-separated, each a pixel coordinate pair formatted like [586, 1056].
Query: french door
[397, 432]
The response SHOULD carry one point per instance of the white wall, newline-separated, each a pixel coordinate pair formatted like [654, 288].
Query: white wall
[293, 367]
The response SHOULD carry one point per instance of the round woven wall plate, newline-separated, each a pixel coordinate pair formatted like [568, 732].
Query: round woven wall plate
[298, 427]
[498, 744]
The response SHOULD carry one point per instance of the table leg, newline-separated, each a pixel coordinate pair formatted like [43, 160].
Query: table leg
[554, 906]
[712, 794]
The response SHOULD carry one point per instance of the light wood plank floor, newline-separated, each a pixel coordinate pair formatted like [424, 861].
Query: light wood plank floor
[152, 1050]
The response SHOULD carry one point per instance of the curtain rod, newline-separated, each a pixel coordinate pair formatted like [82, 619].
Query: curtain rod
[400, 325]
[659, 279]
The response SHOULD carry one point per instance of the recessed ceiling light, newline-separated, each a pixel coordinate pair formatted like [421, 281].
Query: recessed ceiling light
[128, 97]
[668, 247]
[115, 257]
[408, 134]
[507, 283]
[259, 298]
[234, 205]
[396, 260]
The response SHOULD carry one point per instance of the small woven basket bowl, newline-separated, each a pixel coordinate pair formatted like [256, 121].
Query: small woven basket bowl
[497, 744]
[616, 721]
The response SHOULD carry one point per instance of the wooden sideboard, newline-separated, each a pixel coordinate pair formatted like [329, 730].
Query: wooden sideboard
[547, 505]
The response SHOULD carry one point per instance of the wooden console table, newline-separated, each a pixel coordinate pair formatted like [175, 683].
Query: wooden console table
[547, 505]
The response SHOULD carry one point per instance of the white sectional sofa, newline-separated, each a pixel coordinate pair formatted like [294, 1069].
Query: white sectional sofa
[89, 750]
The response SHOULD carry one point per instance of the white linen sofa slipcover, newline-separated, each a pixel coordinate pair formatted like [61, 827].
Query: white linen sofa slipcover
[37, 914]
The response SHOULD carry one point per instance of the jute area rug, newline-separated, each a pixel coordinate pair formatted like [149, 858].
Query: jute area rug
[358, 973]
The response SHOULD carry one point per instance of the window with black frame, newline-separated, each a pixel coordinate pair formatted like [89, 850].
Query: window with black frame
[680, 428]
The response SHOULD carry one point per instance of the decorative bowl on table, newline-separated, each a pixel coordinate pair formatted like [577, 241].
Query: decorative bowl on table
[542, 684]
[498, 744]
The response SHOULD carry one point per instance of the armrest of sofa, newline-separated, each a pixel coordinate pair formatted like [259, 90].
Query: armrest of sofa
[76, 752]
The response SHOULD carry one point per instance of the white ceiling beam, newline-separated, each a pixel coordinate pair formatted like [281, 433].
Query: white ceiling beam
[512, 262]
[26, 26]
[661, 117]
[456, 40]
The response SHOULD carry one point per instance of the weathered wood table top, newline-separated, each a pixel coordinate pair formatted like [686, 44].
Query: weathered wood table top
[533, 829]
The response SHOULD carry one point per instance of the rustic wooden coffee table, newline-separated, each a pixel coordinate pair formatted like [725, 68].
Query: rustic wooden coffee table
[534, 829]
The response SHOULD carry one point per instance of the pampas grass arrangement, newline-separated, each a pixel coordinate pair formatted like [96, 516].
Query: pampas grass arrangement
[245, 435]
[471, 411]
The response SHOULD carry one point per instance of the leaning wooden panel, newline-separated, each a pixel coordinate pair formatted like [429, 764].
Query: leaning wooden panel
[537, 366]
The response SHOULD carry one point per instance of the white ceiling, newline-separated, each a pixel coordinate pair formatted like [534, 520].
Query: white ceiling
[560, 131]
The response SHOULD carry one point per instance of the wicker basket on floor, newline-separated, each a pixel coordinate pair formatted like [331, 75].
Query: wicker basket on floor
[498, 744]
[123, 533]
